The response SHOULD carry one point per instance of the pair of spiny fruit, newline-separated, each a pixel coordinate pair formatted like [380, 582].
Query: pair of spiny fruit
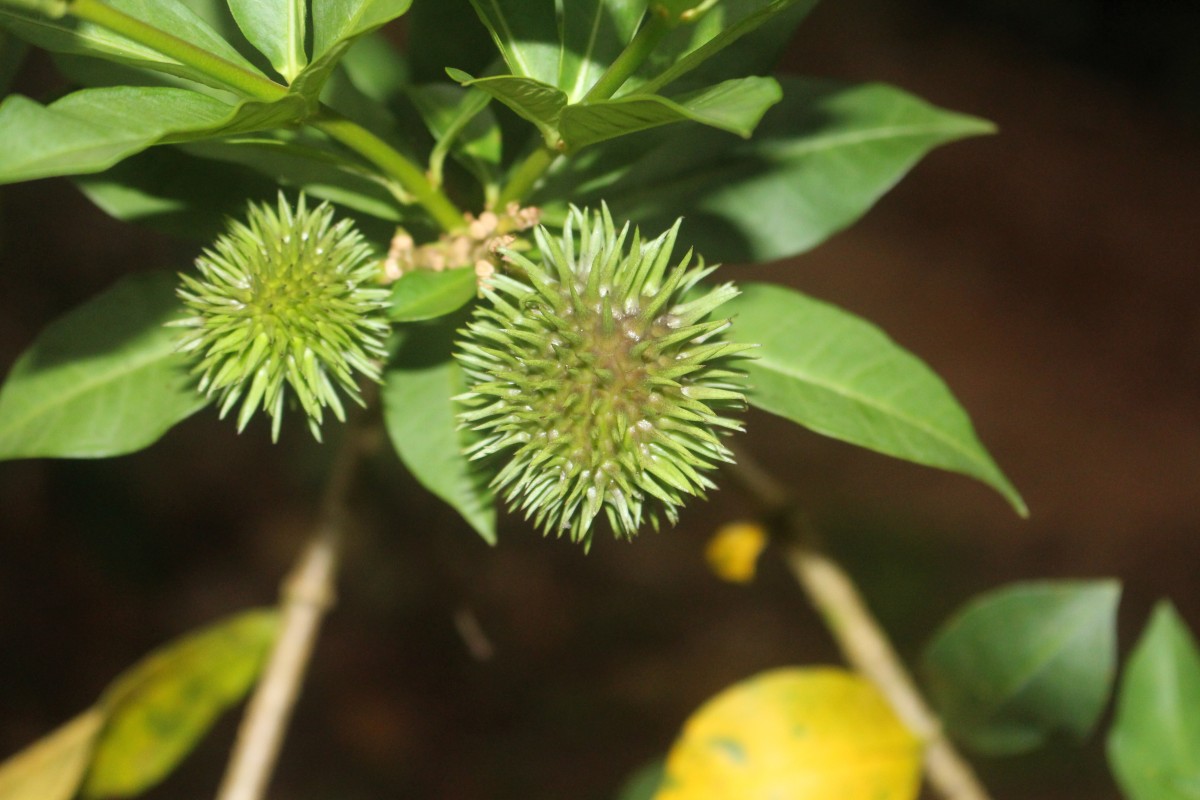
[598, 378]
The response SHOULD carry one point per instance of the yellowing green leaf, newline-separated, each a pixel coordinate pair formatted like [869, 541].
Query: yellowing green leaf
[815, 733]
[160, 708]
[51, 768]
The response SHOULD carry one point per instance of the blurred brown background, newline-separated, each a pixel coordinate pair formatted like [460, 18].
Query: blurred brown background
[1047, 273]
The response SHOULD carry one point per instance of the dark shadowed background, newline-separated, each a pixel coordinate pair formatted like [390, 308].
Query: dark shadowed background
[1047, 273]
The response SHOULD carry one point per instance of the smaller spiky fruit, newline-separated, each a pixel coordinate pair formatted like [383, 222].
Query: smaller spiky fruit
[600, 375]
[287, 298]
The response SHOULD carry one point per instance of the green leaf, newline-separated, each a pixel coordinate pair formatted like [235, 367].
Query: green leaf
[93, 129]
[536, 101]
[735, 106]
[1020, 663]
[818, 161]
[101, 381]
[69, 35]
[689, 46]
[165, 189]
[420, 418]
[276, 28]
[526, 33]
[593, 33]
[1155, 737]
[424, 294]
[160, 708]
[841, 376]
[52, 767]
[337, 25]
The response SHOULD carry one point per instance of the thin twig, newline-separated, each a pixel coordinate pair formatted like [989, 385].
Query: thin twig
[863, 643]
[307, 594]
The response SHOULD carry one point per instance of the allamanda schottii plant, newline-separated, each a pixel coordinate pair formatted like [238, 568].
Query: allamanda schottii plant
[506, 252]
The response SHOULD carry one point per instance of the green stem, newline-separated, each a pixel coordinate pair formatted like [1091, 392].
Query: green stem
[225, 72]
[632, 57]
[526, 175]
[393, 164]
[535, 165]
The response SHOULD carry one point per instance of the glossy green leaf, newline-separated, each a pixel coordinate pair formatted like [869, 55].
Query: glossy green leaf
[52, 767]
[818, 161]
[420, 418]
[1154, 743]
[68, 35]
[168, 190]
[1020, 663]
[160, 708]
[538, 102]
[101, 381]
[424, 294]
[593, 33]
[526, 33]
[735, 106]
[277, 29]
[839, 375]
[93, 129]
[689, 46]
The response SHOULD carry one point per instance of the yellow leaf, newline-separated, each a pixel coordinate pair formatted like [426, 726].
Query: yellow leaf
[733, 551]
[794, 734]
[52, 767]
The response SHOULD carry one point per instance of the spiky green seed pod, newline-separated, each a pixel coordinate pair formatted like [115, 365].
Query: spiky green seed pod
[288, 298]
[601, 378]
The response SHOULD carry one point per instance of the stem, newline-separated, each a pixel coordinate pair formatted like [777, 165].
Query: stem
[535, 165]
[307, 594]
[863, 643]
[528, 173]
[225, 72]
[394, 165]
[632, 57]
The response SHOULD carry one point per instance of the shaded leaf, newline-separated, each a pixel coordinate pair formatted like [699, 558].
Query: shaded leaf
[735, 106]
[593, 33]
[526, 33]
[839, 375]
[52, 767]
[93, 129]
[447, 33]
[337, 25]
[1020, 663]
[276, 28]
[166, 189]
[69, 35]
[462, 125]
[163, 705]
[103, 380]
[424, 294]
[815, 733]
[304, 162]
[1154, 743]
[689, 46]
[817, 162]
[420, 418]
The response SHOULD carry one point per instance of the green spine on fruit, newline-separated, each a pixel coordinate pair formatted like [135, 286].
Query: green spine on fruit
[600, 378]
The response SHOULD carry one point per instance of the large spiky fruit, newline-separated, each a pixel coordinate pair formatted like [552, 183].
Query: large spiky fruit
[288, 298]
[598, 376]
